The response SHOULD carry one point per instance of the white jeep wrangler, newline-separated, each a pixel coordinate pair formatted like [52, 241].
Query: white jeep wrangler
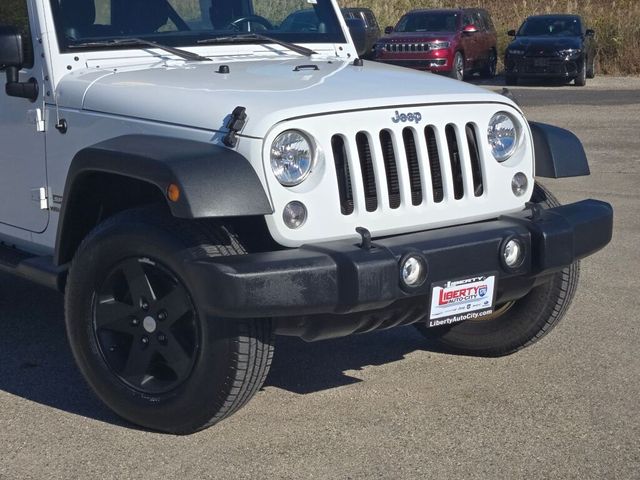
[198, 176]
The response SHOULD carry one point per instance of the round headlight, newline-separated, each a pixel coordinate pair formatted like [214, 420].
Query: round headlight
[292, 156]
[503, 136]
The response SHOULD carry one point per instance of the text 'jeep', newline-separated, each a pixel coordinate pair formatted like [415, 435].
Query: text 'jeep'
[200, 176]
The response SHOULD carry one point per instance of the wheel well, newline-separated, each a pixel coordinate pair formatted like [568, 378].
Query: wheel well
[93, 198]
[97, 196]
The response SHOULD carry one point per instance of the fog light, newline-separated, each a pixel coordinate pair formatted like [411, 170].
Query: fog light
[513, 253]
[519, 184]
[413, 271]
[294, 215]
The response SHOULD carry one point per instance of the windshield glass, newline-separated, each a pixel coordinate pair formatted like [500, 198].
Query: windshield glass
[185, 22]
[428, 22]
[550, 26]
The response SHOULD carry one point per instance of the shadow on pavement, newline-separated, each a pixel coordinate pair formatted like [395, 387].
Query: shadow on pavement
[36, 362]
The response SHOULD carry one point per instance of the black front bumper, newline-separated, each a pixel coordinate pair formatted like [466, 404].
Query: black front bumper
[543, 67]
[341, 277]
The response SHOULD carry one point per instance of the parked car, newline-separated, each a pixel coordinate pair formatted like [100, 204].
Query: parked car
[551, 46]
[371, 26]
[455, 42]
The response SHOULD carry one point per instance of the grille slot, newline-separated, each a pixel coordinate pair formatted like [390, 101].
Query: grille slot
[454, 158]
[434, 164]
[390, 167]
[474, 154]
[344, 175]
[368, 173]
[413, 164]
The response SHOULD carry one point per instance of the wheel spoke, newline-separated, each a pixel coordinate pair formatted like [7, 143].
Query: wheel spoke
[175, 356]
[175, 305]
[138, 281]
[137, 364]
[114, 315]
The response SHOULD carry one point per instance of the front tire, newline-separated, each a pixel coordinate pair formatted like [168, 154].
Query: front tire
[138, 335]
[517, 324]
[490, 68]
[581, 79]
[457, 70]
[591, 71]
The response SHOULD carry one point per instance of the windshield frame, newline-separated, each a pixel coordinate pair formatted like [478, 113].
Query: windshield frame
[189, 38]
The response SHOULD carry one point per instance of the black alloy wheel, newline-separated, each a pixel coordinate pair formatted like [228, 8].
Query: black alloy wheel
[145, 326]
[139, 332]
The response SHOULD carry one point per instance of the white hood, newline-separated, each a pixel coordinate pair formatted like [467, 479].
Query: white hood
[195, 95]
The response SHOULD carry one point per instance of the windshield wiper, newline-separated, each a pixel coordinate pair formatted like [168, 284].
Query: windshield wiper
[141, 41]
[243, 37]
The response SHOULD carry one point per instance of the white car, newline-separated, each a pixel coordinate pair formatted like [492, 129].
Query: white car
[196, 180]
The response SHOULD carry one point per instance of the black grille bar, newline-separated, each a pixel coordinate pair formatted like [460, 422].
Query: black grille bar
[390, 167]
[368, 173]
[413, 164]
[454, 158]
[344, 176]
[474, 153]
[434, 164]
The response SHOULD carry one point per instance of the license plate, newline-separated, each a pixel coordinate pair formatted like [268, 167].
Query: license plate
[462, 299]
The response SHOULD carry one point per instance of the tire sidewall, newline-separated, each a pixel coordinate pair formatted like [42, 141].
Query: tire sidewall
[454, 71]
[173, 410]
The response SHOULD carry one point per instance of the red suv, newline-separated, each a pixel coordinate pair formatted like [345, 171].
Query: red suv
[456, 42]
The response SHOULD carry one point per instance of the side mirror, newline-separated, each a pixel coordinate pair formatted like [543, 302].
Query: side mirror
[590, 33]
[388, 30]
[470, 30]
[511, 33]
[358, 32]
[12, 60]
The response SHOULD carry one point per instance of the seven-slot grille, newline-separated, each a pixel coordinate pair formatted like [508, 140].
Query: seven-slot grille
[441, 164]
[406, 47]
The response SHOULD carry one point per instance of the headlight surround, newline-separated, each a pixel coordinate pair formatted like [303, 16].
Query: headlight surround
[438, 45]
[292, 157]
[503, 135]
[569, 52]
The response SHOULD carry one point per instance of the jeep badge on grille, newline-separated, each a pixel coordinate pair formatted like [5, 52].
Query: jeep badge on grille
[407, 117]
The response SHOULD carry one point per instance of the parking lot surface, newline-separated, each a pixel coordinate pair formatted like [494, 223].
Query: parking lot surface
[382, 405]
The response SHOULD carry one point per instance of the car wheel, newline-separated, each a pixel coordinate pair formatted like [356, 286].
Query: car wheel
[581, 79]
[457, 71]
[489, 70]
[591, 71]
[514, 325]
[137, 331]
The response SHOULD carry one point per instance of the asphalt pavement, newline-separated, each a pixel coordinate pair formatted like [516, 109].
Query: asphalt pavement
[381, 405]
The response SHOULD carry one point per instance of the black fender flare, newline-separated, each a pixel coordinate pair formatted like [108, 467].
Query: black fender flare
[558, 152]
[214, 181]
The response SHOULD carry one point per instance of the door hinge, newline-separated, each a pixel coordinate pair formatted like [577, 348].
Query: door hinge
[36, 117]
[41, 196]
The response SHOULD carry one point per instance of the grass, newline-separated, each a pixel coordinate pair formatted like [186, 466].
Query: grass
[616, 22]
